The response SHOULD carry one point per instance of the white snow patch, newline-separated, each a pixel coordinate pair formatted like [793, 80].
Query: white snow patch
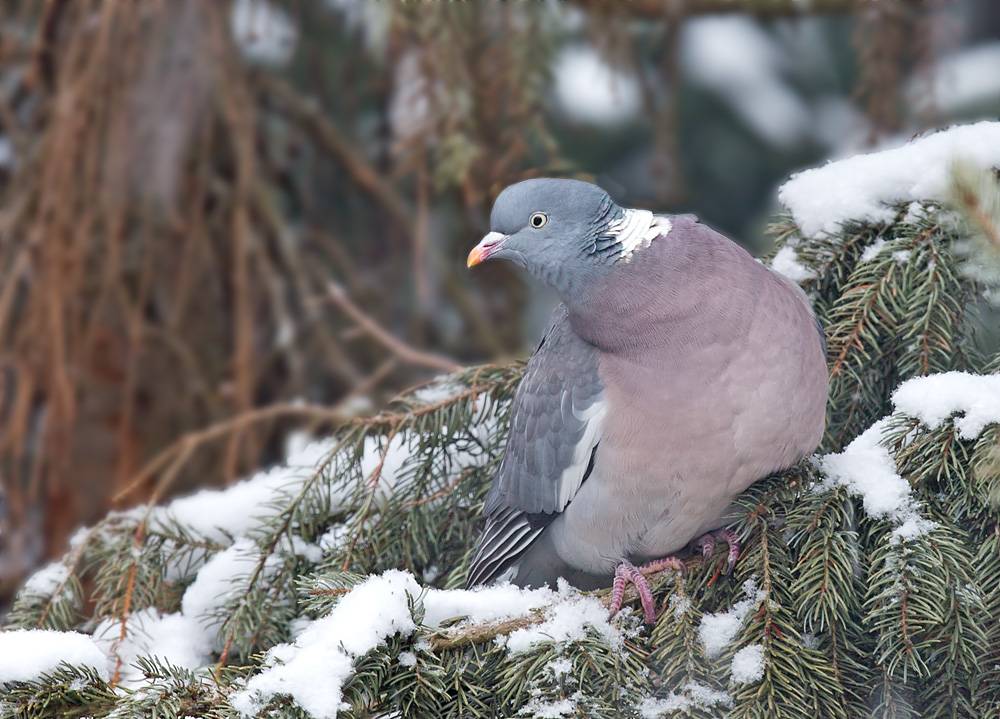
[717, 631]
[551, 709]
[867, 469]
[902, 256]
[934, 398]
[407, 659]
[264, 32]
[565, 621]
[748, 665]
[219, 514]
[216, 581]
[313, 669]
[736, 58]
[786, 262]
[496, 603]
[592, 92]
[697, 696]
[559, 667]
[178, 639]
[914, 212]
[865, 187]
[871, 252]
[46, 580]
[680, 605]
[26, 654]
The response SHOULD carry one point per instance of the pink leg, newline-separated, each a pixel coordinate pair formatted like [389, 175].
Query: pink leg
[707, 545]
[627, 572]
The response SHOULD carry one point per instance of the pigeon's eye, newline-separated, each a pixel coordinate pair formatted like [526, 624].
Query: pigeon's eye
[538, 220]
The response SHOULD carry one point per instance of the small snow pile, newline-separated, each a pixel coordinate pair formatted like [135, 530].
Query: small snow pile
[786, 262]
[26, 654]
[566, 621]
[934, 398]
[539, 709]
[748, 665]
[736, 58]
[313, 669]
[871, 252]
[717, 631]
[867, 469]
[264, 33]
[865, 187]
[695, 696]
[590, 91]
[47, 580]
[175, 638]
[495, 603]
[219, 514]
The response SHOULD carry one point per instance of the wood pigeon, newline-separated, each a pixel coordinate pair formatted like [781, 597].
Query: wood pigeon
[676, 372]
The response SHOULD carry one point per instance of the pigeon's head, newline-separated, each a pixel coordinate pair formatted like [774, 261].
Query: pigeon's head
[561, 231]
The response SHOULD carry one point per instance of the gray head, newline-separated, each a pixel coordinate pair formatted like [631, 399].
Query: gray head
[561, 231]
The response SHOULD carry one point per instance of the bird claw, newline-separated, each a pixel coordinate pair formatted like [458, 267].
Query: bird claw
[627, 572]
[707, 544]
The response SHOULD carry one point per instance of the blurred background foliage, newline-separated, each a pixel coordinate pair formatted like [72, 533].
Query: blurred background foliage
[225, 221]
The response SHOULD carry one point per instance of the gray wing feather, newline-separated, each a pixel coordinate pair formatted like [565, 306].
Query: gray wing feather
[555, 426]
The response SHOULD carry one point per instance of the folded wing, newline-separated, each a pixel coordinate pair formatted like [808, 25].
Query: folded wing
[555, 429]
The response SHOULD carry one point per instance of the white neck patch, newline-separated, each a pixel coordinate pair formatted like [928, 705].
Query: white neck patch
[636, 230]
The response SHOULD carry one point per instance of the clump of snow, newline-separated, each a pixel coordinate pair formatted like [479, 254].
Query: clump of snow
[680, 605]
[865, 187]
[696, 695]
[871, 252]
[934, 398]
[590, 91]
[736, 58]
[495, 603]
[47, 580]
[25, 654]
[867, 469]
[914, 212]
[559, 667]
[786, 262]
[216, 581]
[220, 514]
[902, 256]
[717, 631]
[407, 659]
[178, 639]
[566, 621]
[748, 665]
[313, 669]
[264, 32]
[550, 709]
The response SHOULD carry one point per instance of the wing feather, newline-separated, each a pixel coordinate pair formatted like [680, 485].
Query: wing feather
[555, 428]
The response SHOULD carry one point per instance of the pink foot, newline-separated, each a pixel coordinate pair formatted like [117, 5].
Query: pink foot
[627, 572]
[706, 543]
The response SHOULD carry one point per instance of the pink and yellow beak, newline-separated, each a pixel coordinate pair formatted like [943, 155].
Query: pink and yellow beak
[489, 245]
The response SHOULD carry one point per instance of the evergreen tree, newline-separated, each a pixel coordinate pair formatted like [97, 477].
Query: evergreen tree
[868, 584]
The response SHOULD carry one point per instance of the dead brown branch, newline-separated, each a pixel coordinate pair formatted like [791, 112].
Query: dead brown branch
[403, 351]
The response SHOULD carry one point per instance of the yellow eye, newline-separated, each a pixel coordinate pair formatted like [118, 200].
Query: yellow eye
[538, 220]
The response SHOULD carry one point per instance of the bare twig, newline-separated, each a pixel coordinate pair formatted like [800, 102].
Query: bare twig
[403, 351]
[330, 139]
